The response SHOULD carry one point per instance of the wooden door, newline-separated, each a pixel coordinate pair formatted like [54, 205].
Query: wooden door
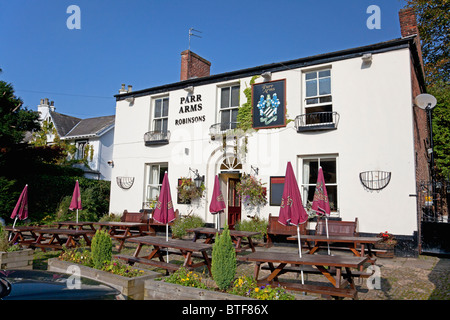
[234, 203]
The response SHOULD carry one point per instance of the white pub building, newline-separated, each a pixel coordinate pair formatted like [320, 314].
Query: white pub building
[351, 112]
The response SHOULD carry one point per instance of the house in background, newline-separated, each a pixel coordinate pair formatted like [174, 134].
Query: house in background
[93, 138]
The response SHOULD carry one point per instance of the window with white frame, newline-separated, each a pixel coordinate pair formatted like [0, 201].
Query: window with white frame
[310, 167]
[160, 114]
[318, 99]
[81, 149]
[154, 175]
[229, 106]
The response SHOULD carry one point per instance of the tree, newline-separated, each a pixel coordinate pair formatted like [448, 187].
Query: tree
[434, 23]
[15, 121]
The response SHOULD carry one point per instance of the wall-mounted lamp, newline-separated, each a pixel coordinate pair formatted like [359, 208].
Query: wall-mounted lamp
[256, 170]
[189, 89]
[267, 75]
[197, 180]
[111, 163]
[130, 99]
[367, 57]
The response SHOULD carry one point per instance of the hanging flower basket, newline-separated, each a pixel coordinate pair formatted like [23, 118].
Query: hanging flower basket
[252, 191]
[187, 191]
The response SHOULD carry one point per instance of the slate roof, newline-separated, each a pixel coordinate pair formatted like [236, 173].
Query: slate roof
[70, 127]
[90, 127]
[63, 123]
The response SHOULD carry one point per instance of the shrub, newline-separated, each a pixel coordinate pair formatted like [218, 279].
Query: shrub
[101, 249]
[223, 264]
[248, 287]
[188, 222]
[186, 278]
[255, 224]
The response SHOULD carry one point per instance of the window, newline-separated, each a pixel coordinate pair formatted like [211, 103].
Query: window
[318, 95]
[81, 149]
[310, 171]
[160, 114]
[154, 178]
[229, 105]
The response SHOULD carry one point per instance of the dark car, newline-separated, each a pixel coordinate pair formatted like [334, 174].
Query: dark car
[44, 285]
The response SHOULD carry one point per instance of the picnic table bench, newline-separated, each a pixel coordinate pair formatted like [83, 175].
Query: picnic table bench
[274, 228]
[236, 236]
[351, 242]
[187, 249]
[122, 231]
[23, 235]
[55, 241]
[81, 225]
[342, 282]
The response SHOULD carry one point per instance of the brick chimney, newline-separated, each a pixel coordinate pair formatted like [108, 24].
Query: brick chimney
[408, 22]
[408, 27]
[193, 66]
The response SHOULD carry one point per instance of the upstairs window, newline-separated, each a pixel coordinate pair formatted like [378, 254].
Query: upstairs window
[229, 105]
[318, 91]
[160, 115]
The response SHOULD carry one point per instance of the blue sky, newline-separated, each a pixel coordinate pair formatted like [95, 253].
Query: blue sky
[139, 42]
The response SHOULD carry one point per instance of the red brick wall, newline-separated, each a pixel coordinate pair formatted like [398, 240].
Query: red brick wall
[193, 66]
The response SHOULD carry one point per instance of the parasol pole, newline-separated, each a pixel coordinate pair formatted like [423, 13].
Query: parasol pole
[77, 215]
[10, 234]
[300, 250]
[167, 240]
[328, 242]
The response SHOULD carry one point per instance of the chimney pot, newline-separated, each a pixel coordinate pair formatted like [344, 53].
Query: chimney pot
[130, 87]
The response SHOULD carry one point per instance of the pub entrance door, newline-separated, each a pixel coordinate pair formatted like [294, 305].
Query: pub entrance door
[234, 203]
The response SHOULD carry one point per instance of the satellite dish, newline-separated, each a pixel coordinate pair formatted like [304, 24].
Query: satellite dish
[425, 100]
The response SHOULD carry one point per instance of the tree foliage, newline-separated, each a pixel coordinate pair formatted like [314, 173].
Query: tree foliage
[434, 24]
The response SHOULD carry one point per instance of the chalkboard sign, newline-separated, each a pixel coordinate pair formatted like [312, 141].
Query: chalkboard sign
[269, 104]
[276, 190]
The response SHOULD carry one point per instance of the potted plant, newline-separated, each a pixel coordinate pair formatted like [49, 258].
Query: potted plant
[387, 244]
[252, 191]
[188, 192]
[13, 256]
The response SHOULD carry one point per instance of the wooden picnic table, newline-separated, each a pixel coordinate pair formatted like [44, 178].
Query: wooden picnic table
[187, 248]
[236, 237]
[21, 234]
[122, 231]
[329, 266]
[80, 225]
[350, 241]
[55, 241]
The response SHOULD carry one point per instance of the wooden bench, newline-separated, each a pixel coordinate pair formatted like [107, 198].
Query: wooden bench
[141, 217]
[160, 264]
[313, 270]
[274, 228]
[337, 228]
[152, 224]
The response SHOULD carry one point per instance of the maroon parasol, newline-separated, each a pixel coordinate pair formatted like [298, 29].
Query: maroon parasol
[164, 212]
[217, 202]
[21, 209]
[292, 211]
[321, 204]
[75, 204]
